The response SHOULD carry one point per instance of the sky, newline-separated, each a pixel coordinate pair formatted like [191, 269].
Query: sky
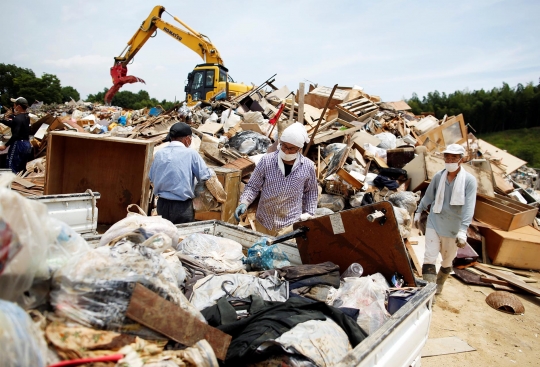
[390, 48]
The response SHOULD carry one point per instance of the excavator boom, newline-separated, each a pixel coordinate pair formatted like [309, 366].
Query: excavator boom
[196, 41]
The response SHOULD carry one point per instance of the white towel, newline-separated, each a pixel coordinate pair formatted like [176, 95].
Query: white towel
[458, 192]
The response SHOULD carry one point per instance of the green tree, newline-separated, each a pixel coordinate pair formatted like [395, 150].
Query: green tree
[130, 100]
[8, 87]
[68, 93]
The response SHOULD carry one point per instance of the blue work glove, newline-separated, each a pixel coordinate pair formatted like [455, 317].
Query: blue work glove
[241, 209]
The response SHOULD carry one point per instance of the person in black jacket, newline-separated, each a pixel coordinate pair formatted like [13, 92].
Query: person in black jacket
[19, 145]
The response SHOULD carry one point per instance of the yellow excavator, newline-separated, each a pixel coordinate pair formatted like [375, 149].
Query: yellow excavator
[207, 81]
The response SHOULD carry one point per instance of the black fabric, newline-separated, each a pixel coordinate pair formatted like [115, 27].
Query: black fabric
[176, 211]
[272, 320]
[20, 128]
[394, 173]
[331, 278]
[288, 168]
[367, 199]
[383, 181]
[295, 273]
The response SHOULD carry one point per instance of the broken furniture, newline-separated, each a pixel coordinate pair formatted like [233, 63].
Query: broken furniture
[117, 168]
[503, 212]
[230, 180]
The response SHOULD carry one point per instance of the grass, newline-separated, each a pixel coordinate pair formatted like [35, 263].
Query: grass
[523, 143]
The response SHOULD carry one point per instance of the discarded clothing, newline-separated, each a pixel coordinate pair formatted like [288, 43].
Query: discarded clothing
[272, 321]
[18, 155]
[208, 290]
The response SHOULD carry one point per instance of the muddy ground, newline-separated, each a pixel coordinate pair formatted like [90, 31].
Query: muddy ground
[500, 339]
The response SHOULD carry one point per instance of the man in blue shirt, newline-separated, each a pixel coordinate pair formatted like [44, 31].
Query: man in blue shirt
[452, 197]
[173, 175]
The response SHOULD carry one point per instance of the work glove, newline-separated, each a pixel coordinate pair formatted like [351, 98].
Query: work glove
[305, 216]
[241, 209]
[416, 221]
[461, 239]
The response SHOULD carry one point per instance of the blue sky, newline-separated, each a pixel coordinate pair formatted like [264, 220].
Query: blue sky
[391, 48]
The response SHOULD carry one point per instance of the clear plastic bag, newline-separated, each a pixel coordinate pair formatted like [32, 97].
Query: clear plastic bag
[388, 140]
[332, 149]
[366, 294]
[356, 200]
[21, 342]
[250, 142]
[139, 221]
[260, 256]
[406, 200]
[332, 202]
[95, 288]
[28, 220]
[217, 253]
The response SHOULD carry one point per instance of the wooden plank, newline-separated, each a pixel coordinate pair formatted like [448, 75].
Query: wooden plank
[413, 256]
[510, 279]
[337, 134]
[301, 95]
[494, 281]
[156, 313]
[23, 182]
[210, 127]
[347, 177]
[443, 346]
[502, 268]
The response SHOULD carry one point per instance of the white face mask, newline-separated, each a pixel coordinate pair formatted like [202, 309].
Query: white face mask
[451, 167]
[287, 157]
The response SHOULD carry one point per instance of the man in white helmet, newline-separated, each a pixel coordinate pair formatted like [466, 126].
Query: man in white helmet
[287, 184]
[452, 197]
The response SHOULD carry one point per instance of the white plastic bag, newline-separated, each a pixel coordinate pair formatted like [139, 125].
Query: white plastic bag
[217, 253]
[366, 294]
[232, 121]
[388, 140]
[133, 221]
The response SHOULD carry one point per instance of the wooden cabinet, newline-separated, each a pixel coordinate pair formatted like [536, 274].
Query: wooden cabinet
[519, 248]
[503, 213]
[117, 168]
[230, 180]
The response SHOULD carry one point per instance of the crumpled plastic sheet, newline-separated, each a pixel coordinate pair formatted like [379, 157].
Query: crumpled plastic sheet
[323, 342]
[388, 140]
[332, 149]
[261, 256]
[332, 202]
[95, 288]
[218, 254]
[406, 200]
[404, 221]
[366, 294]
[21, 342]
[208, 290]
[321, 212]
[250, 142]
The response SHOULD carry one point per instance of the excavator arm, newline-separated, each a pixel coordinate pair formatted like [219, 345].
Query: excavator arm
[192, 39]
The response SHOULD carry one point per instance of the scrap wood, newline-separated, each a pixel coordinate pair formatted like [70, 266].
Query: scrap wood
[509, 278]
[414, 258]
[156, 313]
[336, 134]
[443, 346]
[517, 272]
[320, 119]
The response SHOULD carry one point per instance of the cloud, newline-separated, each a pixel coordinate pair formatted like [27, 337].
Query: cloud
[80, 61]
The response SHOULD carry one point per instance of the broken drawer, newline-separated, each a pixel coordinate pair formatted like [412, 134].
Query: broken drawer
[503, 213]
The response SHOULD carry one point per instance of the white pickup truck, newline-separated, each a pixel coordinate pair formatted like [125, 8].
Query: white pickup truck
[398, 343]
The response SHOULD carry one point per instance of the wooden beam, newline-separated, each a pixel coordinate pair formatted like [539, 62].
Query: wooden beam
[156, 313]
[301, 94]
[413, 256]
[320, 119]
[509, 278]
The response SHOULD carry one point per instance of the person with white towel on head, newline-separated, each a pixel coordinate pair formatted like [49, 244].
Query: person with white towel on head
[452, 197]
[287, 183]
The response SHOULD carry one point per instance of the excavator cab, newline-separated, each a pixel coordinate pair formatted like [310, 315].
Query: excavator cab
[211, 81]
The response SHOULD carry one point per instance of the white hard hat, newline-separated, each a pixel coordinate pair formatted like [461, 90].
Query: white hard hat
[454, 149]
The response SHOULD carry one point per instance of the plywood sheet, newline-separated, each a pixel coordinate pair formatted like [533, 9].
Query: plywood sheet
[511, 162]
[377, 247]
[443, 346]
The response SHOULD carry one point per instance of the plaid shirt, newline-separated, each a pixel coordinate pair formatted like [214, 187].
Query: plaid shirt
[283, 199]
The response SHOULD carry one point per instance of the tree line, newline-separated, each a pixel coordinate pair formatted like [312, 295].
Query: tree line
[20, 82]
[127, 99]
[486, 111]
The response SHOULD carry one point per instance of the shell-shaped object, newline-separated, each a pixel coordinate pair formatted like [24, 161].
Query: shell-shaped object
[505, 302]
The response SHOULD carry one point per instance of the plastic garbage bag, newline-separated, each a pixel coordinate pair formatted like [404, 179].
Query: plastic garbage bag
[213, 118]
[24, 241]
[366, 294]
[21, 341]
[332, 202]
[406, 200]
[356, 200]
[250, 142]
[375, 151]
[388, 140]
[133, 221]
[219, 254]
[404, 221]
[95, 288]
[231, 121]
[320, 212]
[260, 256]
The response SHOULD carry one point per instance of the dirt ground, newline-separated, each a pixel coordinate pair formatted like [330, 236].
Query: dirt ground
[500, 339]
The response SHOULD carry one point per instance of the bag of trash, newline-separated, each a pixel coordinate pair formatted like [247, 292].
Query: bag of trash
[320, 212]
[219, 254]
[21, 341]
[388, 140]
[374, 151]
[250, 142]
[403, 219]
[356, 200]
[260, 256]
[23, 242]
[204, 200]
[147, 225]
[95, 288]
[332, 202]
[366, 294]
[406, 200]
[232, 120]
